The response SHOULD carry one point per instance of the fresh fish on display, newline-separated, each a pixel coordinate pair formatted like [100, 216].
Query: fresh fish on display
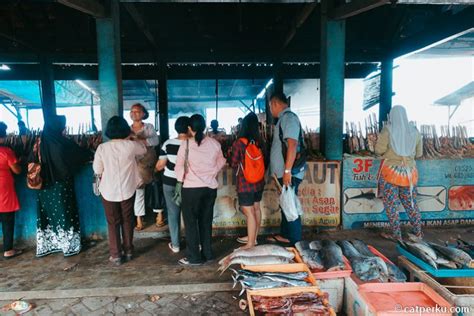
[251, 261]
[316, 245]
[395, 274]
[366, 268]
[313, 259]
[443, 262]
[455, 255]
[423, 252]
[362, 248]
[464, 245]
[258, 251]
[302, 245]
[288, 282]
[292, 276]
[332, 257]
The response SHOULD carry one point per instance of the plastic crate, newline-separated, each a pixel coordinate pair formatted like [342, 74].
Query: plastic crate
[282, 292]
[384, 299]
[439, 273]
[457, 291]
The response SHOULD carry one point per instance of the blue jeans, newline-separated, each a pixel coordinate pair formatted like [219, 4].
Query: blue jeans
[174, 214]
[291, 230]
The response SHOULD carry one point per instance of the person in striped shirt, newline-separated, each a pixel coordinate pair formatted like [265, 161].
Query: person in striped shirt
[167, 162]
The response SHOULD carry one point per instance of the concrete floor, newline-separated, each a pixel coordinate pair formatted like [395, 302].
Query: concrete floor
[153, 271]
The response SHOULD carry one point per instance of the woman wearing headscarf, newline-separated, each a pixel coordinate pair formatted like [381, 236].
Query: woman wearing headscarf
[58, 227]
[8, 198]
[146, 134]
[198, 162]
[399, 143]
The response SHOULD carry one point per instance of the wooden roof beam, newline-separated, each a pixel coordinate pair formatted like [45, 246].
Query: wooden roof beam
[355, 7]
[91, 7]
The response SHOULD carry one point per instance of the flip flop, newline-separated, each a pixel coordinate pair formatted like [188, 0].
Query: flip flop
[241, 240]
[17, 253]
[274, 240]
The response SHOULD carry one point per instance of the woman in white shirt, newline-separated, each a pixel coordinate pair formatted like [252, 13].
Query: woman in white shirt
[146, 134]
[115, 163]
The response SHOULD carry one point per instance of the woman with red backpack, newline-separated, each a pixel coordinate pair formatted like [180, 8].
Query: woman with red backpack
[248, 161]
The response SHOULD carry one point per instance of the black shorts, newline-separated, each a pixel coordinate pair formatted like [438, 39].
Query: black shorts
[249, 198]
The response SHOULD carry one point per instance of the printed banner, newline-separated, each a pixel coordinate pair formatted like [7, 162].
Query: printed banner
[445, 193]
[318, 193]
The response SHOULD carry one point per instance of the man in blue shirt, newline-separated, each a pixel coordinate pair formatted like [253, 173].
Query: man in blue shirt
[288, 129]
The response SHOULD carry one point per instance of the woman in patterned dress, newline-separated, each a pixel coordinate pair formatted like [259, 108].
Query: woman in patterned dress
[399, 144]
[58, 227]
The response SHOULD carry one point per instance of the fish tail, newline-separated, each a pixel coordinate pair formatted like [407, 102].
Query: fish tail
[437, 197]
[224, 259]
[347, 198]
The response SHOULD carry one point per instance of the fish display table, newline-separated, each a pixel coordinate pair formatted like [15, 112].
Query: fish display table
[445, 193]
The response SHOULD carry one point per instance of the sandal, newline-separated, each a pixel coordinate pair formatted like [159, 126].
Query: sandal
[244, 240]
[16, 252]
[138, 228]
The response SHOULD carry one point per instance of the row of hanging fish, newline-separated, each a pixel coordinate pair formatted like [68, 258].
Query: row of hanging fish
[453, 143]
[258, 255]
[439, 256]
[328, 255]
[295, 304]
[359, 141]
[268, 280]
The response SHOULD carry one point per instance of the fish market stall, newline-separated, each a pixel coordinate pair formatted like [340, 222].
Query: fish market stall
[445, 185]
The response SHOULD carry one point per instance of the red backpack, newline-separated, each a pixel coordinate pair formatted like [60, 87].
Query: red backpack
[253, 167]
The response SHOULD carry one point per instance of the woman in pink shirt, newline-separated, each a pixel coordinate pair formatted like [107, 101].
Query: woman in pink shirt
[203, 163]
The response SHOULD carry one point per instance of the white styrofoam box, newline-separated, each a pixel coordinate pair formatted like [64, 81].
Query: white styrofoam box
[335, 290]
[354, 304]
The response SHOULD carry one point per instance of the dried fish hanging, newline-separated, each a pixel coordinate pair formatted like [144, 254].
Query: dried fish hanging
[356, 143]
[452, 144]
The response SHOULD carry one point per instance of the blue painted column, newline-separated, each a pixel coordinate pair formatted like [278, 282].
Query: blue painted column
[109, 58]
[48, 94]
[163, 101]
[386, 90]
[332, 84]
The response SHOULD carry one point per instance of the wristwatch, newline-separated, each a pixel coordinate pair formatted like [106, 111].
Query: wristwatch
[287, 170]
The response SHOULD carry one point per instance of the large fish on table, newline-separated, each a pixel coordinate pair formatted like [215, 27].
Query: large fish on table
[455, 255]
[261, 250]
[310, 256]
[252, 261]
[362, 248]
[332, 256]
[366, 268]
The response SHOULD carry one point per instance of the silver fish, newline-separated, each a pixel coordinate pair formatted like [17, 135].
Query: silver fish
[313, 259]
[443, 262]
[420, 251]
[257, 251]
[286, 281]
[292, 276]
[250, 261]
[332, 257]
[302, 245]
[316, 245]
[260, 285]
[453, 254]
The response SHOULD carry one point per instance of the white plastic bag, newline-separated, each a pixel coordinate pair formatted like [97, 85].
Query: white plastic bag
[290, 204]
